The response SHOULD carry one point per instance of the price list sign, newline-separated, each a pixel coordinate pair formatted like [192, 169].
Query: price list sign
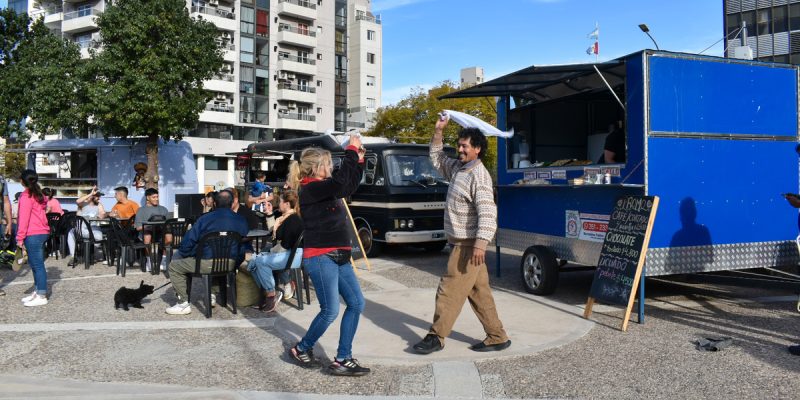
[623, 254]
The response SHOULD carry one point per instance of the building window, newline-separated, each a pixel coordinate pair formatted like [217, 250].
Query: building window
[733, 24]
[319, 31]
[794, 17]
[780, 20]
[248, 20]
[764, 17]
[262, 82]
[246, 80]
[246, 52]
[84, 9]
[216, 163]
[370, 35]
[262, 23]
[370, 103]
[370, 80]
[371, 58]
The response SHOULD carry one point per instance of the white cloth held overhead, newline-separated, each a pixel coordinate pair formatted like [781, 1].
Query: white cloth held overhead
[468, 121]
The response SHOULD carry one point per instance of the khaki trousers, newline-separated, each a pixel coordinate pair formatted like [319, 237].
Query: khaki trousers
[465, 280]
[179, 271]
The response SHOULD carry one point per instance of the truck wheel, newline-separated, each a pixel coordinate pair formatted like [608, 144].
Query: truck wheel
[539, 270]
[371, 247]
[434, 247]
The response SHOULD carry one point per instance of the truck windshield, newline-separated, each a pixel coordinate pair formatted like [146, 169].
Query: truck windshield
[412, 170]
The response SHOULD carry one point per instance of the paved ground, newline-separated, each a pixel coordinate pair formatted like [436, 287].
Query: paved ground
[78, 346]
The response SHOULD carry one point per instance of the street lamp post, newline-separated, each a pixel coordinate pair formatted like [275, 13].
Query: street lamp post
[646, 30]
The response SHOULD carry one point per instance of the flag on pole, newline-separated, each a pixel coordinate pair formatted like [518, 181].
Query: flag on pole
[594, 49]
[595, 33]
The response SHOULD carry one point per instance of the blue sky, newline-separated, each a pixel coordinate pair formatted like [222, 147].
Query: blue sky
[3, 3]
[428, 41]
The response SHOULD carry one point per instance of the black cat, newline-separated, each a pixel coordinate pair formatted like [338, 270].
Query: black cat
[125, 296]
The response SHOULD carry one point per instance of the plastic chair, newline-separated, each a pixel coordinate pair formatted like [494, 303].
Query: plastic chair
[176, 227]
[53, 242]
[222, 245]
[87, 241]
[128, 246]
[65, 224]
[299, 274]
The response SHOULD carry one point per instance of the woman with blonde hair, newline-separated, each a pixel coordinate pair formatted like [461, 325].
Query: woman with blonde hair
[285, 234]
[326, 250]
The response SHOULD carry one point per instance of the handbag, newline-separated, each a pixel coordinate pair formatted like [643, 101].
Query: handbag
[340, 256]
[20, 259]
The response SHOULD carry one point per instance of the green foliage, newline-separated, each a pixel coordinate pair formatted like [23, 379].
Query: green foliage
[15, 163]
[148, 77]
[412, 119]
[38, 77]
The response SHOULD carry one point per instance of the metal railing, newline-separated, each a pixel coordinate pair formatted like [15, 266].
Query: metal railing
[296, 116]
[53, 10]
[354, 124]
[220, 107]
[290, 57]
[253, 117]
[224, 77]
[300, 3]
[216, 12]
[228, 46]
[369, 18]
[81, 13]
[294, 29]
[288, 86]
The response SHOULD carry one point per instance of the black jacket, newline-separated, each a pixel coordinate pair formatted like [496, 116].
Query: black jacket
[288, 232]
[325, 220]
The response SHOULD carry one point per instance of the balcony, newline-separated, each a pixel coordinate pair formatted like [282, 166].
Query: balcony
[219, 112]
[229, 54]
[375, 19]
[299, 122]
[224, 77]
[221, 83]
[298, 8]
[296, 64]
[223, 18]
[303, 94]
[79, 21]
[53, 17]
[288, 34]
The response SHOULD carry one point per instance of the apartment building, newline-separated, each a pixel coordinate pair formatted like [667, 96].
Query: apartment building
[773, 28]
[292, 68]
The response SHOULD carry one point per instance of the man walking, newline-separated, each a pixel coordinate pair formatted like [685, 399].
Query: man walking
[470, 222]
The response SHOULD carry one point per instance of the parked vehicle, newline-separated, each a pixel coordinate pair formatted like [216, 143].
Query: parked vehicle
[401, 197]
[713, 137]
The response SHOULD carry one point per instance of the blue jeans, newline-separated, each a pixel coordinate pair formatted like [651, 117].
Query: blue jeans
[331, 281]
[263, 264]
[34, 244]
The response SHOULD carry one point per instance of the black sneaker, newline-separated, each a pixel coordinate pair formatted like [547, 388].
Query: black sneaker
[794, 350]
[304, 358]
[429, 344]
[347, 367]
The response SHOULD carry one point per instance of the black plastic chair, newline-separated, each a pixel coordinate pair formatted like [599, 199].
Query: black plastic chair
[128, 246]
[299, 274]
[222, 245]
[176, 227]
[53, 240]
[65, 224]
[87, 242]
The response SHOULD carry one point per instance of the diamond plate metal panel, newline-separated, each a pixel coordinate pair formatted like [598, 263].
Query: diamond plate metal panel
[682, 260]
[666, 260]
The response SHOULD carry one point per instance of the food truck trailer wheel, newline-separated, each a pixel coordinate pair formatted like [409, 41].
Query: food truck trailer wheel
[371, 247]
[539, 269]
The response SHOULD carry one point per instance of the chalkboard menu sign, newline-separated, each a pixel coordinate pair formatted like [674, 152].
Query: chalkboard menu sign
[623, 254]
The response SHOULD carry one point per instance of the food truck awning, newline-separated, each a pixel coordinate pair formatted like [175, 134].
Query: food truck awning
[538, 83]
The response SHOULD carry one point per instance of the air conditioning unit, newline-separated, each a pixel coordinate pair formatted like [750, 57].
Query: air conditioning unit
[283, 75]
[221, 96]
[291, 104]
[213, 2]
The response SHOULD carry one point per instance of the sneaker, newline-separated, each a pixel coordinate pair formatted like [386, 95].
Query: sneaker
[288, 291]
[213, 300]
[794, 350]
[347, 367]
[429, 344]
[304, 358]
[148, 265]
[163, 265]
[37, 300]
[179, 309]
[2, 292]
[271, 302]
[69, 260]
[29, 297]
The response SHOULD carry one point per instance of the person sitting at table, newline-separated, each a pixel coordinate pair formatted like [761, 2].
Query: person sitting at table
[125, 208]
[248, 214]
[89, 207]
[209, 203]
[271, 264]
[222, 219]
[53, 205]
[150, 212]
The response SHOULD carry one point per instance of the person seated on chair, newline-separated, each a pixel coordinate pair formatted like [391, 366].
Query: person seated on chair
[151, 211]
[89, 207]
[53, 205]
[238, 208]
[125, 208]
[268, 265]
[222, 219]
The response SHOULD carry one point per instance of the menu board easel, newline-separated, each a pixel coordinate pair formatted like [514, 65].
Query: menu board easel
[623, 254]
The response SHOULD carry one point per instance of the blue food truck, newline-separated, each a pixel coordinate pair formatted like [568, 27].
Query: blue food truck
[713, 137]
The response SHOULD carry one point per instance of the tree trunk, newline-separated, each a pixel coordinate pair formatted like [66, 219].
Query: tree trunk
[151, 176]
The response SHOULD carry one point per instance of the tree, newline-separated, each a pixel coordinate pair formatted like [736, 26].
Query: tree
[39, 78]
[147, 80]
[412, 118]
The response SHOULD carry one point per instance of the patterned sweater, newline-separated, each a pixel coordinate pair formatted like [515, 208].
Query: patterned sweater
[470, 216]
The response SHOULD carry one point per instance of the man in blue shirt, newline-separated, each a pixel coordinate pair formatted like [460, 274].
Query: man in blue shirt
[222, 219]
